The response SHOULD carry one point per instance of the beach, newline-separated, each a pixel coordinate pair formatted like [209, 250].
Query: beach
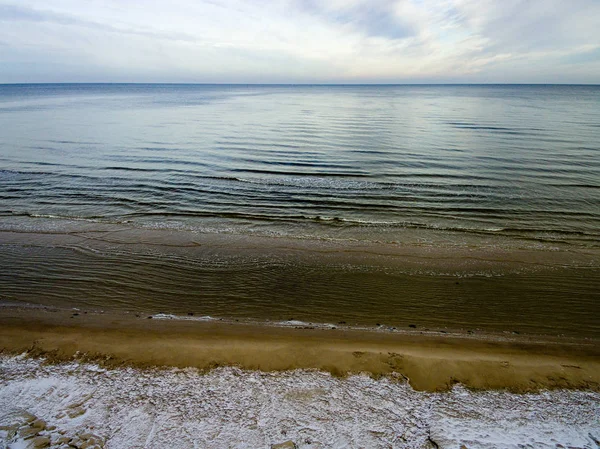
[430, 361]
[88, 404]
[306, 266]
[104, 380]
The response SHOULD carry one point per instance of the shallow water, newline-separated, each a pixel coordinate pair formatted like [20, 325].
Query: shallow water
[452, 288]
[458, 207]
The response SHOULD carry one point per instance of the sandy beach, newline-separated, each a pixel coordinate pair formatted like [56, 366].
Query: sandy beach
[74, 378]
[430, 361]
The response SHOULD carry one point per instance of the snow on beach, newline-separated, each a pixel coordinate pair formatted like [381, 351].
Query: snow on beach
[88, 406]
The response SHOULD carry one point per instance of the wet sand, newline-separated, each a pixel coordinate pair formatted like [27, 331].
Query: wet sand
[430, 361]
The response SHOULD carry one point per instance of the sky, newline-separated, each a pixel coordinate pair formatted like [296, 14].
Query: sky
[300, 41]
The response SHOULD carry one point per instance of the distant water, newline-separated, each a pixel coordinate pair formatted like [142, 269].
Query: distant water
[512, 167]
[517, 160]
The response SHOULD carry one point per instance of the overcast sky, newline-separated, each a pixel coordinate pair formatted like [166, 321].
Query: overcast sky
[300, 41]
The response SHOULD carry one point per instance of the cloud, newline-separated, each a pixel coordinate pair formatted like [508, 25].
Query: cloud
[300, 40]
[15, 13]
[373, 18]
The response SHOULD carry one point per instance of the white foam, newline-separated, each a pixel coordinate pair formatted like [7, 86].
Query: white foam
[228, 407]
[293, 323]
[167, 316]
[298, 323]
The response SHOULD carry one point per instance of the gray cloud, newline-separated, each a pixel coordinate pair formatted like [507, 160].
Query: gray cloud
[374, 18]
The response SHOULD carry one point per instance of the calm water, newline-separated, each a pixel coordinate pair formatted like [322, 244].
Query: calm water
[513, 168]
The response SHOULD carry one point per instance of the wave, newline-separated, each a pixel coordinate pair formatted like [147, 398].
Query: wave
[298, 324]
[355, 174]
[235, 223]
[341, 157]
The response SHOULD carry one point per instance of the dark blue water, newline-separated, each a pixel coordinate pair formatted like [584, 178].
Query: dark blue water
[350, 161]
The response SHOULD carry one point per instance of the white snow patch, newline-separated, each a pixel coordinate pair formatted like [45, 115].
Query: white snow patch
[229, 407]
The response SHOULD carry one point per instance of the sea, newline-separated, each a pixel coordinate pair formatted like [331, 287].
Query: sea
[447, 207]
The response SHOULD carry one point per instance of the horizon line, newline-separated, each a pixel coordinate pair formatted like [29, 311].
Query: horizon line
[290, 84]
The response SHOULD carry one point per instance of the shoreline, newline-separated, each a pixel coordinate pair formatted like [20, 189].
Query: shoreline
[430, 362]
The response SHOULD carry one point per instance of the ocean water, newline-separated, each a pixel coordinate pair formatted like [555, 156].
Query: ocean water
[512, 160]
[448, 206]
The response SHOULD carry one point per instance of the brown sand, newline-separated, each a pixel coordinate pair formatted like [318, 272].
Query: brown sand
[430, 362]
